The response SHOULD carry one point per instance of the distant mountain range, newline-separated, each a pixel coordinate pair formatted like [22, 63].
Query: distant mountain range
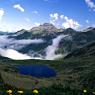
[48, 42]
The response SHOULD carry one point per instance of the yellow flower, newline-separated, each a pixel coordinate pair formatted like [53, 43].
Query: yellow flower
[20, 92]
[9, 91]
[84, 90]
[35, 91]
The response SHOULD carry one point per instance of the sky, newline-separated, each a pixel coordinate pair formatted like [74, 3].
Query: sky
[25, 14]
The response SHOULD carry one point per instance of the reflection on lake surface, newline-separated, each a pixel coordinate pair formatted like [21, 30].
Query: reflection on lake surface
[36, 70]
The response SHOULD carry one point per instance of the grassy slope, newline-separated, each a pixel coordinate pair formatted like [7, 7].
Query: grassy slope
[74, 75]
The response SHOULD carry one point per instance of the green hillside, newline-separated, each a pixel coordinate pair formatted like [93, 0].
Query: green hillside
[73, 76]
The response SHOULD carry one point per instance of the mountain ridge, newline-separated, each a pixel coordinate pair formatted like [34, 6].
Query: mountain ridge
[35, 43]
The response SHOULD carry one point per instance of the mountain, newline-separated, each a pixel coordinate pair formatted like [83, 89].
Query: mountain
[46, 40]
[46, 27]
[90, 29]
[22, 34]
[4, 33]
[41, 31]
[74, 49]
[36, 32]
[72, 52]
[85, 51]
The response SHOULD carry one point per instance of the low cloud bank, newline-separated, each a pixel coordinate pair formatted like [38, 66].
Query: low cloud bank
[13, 54]
[29, 41]
[50, 50]
[5, 41]
[13, 46]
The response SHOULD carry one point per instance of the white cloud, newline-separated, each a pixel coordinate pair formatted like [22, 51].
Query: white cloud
[91, 4]
[4, 40]
[63, 21]
[35, 12]
[8, 27]
[61, 16]
[19, 7]
[13, 44]
[10, 53]
[52, 22]
[13, 54]
[36, 24]
[51, 49]
[54, 16]
[14, 27]
[70, 23]
[87, 21]
[29, 41]
[1, 13]
[27, 19]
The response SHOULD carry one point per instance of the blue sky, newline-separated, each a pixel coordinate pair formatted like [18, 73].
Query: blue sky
[18, 14]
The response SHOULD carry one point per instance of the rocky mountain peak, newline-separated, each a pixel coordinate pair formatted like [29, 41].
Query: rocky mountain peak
[45, 27]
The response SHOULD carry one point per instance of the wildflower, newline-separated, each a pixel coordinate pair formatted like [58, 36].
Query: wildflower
[84, 90]
[35, 91]
[9, 91]
[20, 92]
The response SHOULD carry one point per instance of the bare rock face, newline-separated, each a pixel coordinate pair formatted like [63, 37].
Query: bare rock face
[45, 27]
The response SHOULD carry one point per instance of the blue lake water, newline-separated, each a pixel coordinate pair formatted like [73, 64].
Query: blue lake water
[42, 71]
